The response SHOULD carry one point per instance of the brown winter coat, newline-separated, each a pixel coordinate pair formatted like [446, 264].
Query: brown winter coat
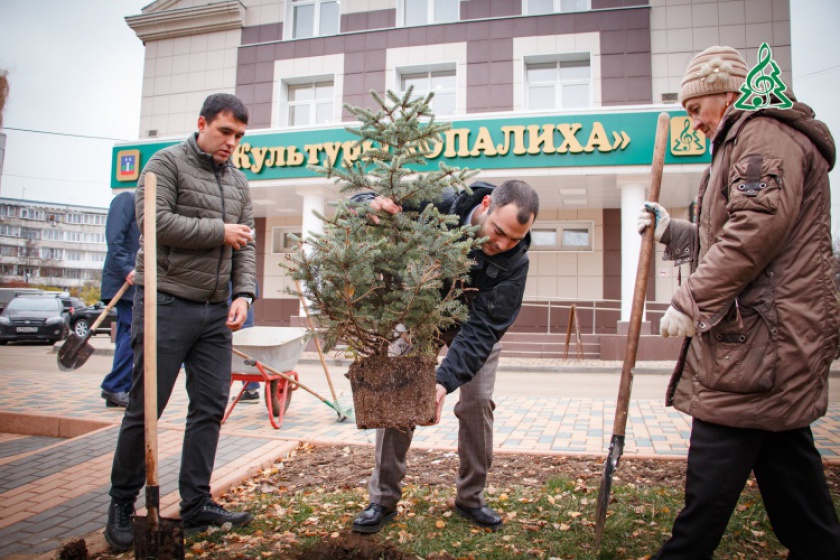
[195, 199]
[760, 292]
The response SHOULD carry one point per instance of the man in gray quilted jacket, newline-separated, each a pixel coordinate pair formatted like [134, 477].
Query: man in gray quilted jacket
[204, 244]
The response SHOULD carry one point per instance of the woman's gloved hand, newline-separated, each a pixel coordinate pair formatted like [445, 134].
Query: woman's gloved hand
[676, 323]
[647, 213]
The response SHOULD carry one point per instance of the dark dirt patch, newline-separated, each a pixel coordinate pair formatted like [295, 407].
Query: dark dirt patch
[351, 546]
[337, 467]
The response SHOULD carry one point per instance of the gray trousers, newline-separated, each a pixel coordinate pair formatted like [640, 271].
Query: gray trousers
[474, 411]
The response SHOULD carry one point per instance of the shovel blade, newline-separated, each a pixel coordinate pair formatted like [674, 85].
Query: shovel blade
[610, 465]
[74, 352]
[163, 540]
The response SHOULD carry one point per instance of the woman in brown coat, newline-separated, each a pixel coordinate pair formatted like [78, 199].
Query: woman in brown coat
[761, 311]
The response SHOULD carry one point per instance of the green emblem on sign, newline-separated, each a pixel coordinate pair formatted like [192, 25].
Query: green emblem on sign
[686, 141]
[763, 84]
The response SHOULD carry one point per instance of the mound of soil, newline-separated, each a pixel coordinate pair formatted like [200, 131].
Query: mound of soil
[352, 546]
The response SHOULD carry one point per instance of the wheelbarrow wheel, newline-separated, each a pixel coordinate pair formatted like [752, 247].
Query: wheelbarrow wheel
[275, 399]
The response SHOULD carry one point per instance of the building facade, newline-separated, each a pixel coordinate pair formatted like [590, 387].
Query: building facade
[561, 93]
[59, 245]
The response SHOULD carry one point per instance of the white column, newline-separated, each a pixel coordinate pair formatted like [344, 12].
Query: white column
[314, 200]
[632, 198]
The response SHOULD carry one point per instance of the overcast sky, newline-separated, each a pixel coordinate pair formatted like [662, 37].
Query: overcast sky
[76, 68]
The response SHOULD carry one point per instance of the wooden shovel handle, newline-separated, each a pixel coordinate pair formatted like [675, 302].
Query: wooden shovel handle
[109, 307]
[314, 332]
[635, 326]
[150, 327]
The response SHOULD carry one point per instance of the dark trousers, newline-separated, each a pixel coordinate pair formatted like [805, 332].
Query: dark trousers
[790, 477]
[119, 380]
[194, 334]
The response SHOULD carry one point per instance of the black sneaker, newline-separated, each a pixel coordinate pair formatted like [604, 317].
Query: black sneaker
[250, 397]
[212, 513]
[119, 532]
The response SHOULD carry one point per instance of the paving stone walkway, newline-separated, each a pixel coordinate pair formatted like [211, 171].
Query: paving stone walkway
[52, 489]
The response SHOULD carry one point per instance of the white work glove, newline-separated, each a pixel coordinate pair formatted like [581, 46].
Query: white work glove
[676, 323]
[645, 218]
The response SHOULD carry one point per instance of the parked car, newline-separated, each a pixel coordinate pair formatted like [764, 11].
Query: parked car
[82, 319]
[6, 294]
[71, 304]
[29, 317]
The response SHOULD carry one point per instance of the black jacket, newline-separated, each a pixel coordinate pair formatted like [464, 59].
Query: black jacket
[500, 280]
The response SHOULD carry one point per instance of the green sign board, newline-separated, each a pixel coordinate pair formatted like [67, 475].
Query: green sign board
[586, 140]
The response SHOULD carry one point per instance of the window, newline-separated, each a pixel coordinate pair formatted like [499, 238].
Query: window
[7, 211]
[94, 238]
[565, 236]
[310, 103]
[282, 240]
[49, 253]
[561, 82]
[8, 251]
[53, 234]
[441, 81]
[425, 12]
[75, 236]
[96, 257]
[11, 231]
[32, 214]
[314, 18]
[73, 218]
[74, 255]
[535, 7]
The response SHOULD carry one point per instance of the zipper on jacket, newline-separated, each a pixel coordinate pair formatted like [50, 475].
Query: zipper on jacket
[219, 170]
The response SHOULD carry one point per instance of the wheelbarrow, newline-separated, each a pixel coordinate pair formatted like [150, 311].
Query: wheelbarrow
[266, 349]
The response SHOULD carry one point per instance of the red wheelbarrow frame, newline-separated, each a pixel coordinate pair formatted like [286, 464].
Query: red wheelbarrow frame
[282, 390]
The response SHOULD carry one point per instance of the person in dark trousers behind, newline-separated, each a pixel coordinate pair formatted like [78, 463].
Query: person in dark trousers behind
[123, 238]
[204, 242]
[761, 311]
[505, 215]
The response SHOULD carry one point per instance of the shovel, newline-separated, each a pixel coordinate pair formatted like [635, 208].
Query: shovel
[341, 417]
[633, 331]
[75, 351]
[154, 536]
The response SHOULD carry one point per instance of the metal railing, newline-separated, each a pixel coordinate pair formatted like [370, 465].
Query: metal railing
[559, 309]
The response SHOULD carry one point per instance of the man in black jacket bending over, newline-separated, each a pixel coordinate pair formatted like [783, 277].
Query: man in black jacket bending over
[505, 215]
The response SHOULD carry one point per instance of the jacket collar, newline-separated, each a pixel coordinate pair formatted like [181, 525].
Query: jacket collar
[204, 159]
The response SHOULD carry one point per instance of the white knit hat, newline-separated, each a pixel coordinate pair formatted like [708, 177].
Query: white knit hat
[715, 70]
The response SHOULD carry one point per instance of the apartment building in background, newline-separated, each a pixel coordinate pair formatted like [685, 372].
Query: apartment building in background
[563, 94]
[59, 245]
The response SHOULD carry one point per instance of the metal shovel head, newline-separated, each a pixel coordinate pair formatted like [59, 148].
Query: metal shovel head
[610, 465]
[163, 540]
[74, 352]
